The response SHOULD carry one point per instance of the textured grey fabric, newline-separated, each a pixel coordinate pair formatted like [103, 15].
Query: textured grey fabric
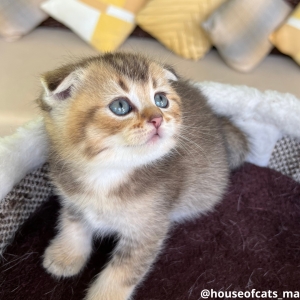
[285, 158]
[21, 202]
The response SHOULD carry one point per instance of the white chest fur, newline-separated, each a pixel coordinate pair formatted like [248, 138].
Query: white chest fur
[103, 210]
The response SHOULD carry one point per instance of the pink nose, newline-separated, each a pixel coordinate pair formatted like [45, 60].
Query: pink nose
[156, 121]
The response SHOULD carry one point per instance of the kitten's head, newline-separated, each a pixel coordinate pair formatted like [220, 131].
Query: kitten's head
[118, 109]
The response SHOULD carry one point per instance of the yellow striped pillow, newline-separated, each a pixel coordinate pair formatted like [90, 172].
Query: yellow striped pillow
[105, 24]
[287, 37]
[176, 24]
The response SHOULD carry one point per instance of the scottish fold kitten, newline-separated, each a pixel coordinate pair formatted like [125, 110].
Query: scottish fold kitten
[134, 148]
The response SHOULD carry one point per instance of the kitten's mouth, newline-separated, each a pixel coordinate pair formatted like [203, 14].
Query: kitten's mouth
[154, 138]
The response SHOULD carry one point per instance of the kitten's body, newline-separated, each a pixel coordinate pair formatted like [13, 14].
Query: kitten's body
[132, 175]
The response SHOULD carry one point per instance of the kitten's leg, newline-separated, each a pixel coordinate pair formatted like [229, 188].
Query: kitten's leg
[69, 250]
[131, 260]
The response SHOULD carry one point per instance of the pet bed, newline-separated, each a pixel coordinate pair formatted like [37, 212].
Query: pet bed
[250, 240]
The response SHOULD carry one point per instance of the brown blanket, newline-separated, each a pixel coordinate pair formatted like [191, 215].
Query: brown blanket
[250, 241]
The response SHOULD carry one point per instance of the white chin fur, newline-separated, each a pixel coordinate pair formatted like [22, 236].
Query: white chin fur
[135, 156]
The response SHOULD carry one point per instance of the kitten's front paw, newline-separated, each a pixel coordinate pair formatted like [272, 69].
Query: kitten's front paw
[111, 294]
[61, 263]
[110, 285]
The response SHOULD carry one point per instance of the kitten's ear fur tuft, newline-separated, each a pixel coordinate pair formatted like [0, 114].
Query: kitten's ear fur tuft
[59, 84]
[170, 73]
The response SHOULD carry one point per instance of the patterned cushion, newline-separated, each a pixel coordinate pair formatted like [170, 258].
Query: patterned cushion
[104, 24]
[18, 17]
[21, 202]
[286, 158]
[287, 37]
[240, 30]
[176, 24]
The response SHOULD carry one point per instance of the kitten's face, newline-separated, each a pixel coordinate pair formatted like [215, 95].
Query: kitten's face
[119, 109]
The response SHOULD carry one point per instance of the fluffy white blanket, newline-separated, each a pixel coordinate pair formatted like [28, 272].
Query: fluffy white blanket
[264, 116]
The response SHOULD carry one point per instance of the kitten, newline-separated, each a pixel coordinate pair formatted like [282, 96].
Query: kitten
[133, 148]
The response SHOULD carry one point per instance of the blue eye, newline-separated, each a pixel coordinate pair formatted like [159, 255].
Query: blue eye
[120, 107]
[161, 100]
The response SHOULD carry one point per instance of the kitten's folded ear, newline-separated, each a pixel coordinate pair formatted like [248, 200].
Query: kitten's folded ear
[170, 73]
[59, 85]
